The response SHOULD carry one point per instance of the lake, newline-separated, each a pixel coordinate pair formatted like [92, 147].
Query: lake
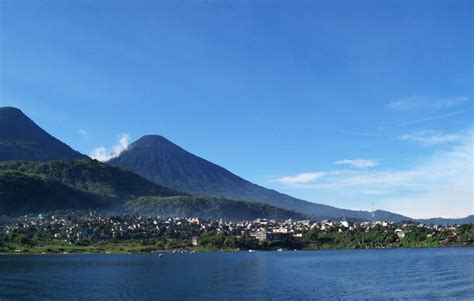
[355, 274]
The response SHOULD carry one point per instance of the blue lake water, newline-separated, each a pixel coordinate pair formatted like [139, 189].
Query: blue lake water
[358, 274]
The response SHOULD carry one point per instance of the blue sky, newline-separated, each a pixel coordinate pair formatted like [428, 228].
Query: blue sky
[338, 102]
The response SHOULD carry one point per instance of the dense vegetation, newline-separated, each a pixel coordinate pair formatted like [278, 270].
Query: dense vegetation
[31, 186]
[21, 193]
[159, 160]
[215, 242]
[22, 139]
[377, 237]
[207, 207]
[91, 176]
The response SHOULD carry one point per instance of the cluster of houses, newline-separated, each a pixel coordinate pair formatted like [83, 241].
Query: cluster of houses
[122, 227]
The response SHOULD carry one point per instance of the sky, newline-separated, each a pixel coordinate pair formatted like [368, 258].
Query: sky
[354, 104]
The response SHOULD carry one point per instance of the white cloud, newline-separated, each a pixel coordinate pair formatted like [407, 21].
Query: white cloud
[299, 179]
[429, 138]
[83, 133]
[418, 102]
[104, 154]
[359, 163]
[441, 184]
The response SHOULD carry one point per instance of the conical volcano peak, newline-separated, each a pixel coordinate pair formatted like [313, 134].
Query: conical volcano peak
[11, 116]
[6, 110]
[152, 140]
[154, 143]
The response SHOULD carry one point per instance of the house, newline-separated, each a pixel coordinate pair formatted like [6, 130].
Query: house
[195, 240]
[280, 230]
[345, 224]
[400, 233]
[195, 220]
[260, 235]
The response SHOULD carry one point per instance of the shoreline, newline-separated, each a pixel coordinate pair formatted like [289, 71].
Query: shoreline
[178, 251]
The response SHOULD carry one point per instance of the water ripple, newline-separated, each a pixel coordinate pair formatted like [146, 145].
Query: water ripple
[362, 274]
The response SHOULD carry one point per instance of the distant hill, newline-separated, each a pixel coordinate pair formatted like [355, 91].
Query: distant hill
[163, 162]
[22, 139]
[209, 208]
[448, 221]
[29, 186]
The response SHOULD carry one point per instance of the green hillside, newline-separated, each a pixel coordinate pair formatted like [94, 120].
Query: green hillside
[207, 207]
[33, 187]
[21, 193]
[91, 176]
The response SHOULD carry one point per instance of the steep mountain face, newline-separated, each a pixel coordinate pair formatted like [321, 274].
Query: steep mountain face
[22, 139]
[163, 162]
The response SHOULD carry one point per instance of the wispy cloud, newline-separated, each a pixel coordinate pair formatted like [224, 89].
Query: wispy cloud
[425, 103]
[441, 184]
[421, 120]
[358, 163]
[83, 133]
[104, 154]
[302, 178]
[429, 138]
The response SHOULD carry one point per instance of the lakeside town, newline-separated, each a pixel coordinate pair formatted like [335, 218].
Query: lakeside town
[95, 232]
